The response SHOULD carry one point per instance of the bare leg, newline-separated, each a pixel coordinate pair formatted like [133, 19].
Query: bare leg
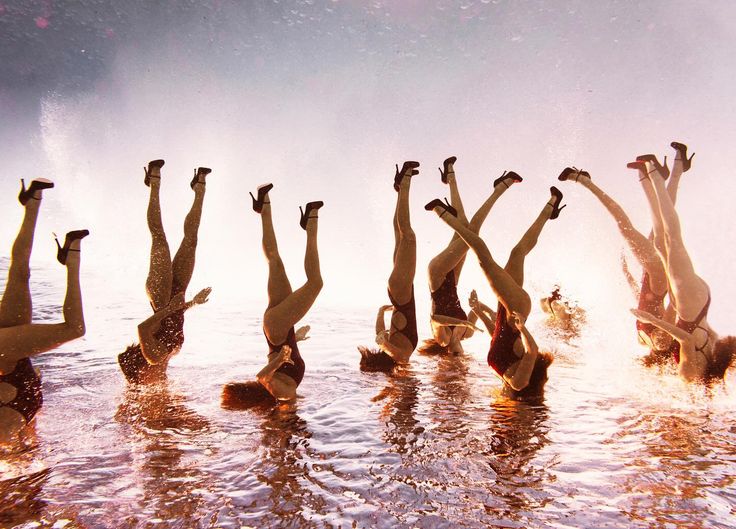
[158, 283]
[457, 203]
[281, 317]
[279, 287]
[401, 280]
[33, 338]
[451, 257]
[640, 245]
[515, 264]
[183, 264]
[507, 290]
[689, 290]
[16, 306]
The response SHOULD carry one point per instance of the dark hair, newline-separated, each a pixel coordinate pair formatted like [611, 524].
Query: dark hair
[431, 347]
[244, 395]
[537, 379]
[723, 353]
[375, 360]
[133, 364]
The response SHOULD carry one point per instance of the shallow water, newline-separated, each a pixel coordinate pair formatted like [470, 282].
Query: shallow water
[611, 445]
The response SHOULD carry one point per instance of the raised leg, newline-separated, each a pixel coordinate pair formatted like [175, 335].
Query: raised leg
[401, 280]
[281, 317]
[183, 264]
[279, 287]
[640, 246]
[689, 290]
[515, 264]
[507, 290]
[158, 283]
[16, 307]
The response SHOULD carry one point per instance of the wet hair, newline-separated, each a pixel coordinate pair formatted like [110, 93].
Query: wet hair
[244, 395]
[133, 364]
[723, 355]
[372, 360]
[657, 358]
[432, 347]
[537, 379]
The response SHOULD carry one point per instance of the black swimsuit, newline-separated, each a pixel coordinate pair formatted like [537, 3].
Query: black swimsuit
[501, 355]
[408, 310]
[295, 370]
[27, 383]
[689, 327]
[445, 301]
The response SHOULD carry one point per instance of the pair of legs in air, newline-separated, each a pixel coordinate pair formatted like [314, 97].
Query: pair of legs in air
[20, 385]
[399, 341]
[524, 367]
[285, 368]
[700, 355]
[162, 335]
[450, 324]
[654, 285]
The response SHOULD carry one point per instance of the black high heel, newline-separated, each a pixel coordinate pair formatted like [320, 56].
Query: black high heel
[639, 166]
[557, 194]
[261, 193]
[305, 214]
[63, 252]
[567, 173]
[199, 171]
[682, 149]
[408, 165]
[444, 205]
[443, 173]
[36, 185]
[662, 169]
[152, 164]
[505, 176]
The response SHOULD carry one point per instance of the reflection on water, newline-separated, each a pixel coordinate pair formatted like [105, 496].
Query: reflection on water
[433, 445]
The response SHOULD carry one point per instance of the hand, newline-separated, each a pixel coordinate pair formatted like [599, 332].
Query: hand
[202, 296]
[518, 320]
[385, 308]
[473, 300]
[285, 354]
[301, 333]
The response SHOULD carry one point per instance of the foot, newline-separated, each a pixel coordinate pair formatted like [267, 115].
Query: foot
[34, 190]
[408, 169]
[71, 244]
[305, 214]
[199, 176]
[639, 166]
[508, 178]
[554, 202]
[153, 172]
[572, 173]
[440, 207]
[262, 194]
[448, 168]
[663, 170]
[681, 155]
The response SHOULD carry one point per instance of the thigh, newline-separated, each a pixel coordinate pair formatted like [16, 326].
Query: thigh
[279, 319]
[445, 261]
[401, 280]
[16, 307]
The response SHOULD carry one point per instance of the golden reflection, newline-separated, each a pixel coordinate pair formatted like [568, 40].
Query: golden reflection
[164, 434]
[400, 397]
[21, 498]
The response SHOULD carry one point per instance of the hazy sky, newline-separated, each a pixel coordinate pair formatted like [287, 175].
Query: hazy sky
[323, 97]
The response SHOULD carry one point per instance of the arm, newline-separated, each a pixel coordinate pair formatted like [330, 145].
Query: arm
[489, 320]
[633, 283]
[282, 387]
[380, 320]
[518, 376]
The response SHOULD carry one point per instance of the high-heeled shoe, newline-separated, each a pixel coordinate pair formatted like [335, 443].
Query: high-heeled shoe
[514, 177]
[305, 214]
[682, 149]
[568, 173]
[662, 169]
[158, 164]
[409, 166]
[36, 185]
[199, 171]
[63, 252]
[261, 193]
[557, 195]
[429, 206]
[443, 172]
[639, 166]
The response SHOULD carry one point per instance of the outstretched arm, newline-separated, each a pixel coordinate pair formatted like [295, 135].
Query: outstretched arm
[633, 284]
[482, 311]
[518, 376]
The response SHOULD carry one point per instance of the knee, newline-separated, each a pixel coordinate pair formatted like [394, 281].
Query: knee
[518, 252]
[20, 272]
[408, 235]
[316, 282]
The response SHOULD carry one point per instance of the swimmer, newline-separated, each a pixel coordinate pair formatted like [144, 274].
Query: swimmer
[161, 336]
[654, 286]
[398, 342]
[20, 384]
[513, 354]
[450, 323]
[563, 315]
[277, 382]
[699, 353]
